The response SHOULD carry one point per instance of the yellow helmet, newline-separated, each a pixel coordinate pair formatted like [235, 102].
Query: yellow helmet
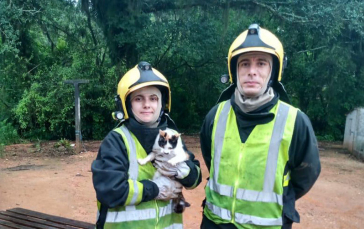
[142, 75]
[257, 39]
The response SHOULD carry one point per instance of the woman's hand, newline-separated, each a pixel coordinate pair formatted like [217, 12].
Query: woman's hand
[168, 188]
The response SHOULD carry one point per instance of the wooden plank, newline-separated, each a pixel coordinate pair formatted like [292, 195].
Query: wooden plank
[35, 220]
[22, 223]
[7, 224]
[55, 219]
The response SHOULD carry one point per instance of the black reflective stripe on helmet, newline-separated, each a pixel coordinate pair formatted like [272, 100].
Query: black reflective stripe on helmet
[253, 39]
[146, 74]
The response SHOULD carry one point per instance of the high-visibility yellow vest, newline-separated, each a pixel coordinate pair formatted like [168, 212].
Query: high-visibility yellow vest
[247, 179]
[156, 214]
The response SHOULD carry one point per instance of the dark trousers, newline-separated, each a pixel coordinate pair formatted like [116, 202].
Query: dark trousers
[208, 224]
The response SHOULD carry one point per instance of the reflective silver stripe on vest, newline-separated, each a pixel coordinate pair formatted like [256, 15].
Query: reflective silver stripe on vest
[130, 215]
[136, 191]
[224, 190]
[167, 210]
[250, 195]
[248, 219]
[222, 212]
[175, 226]
[133, 163]
[267, 195]
[275, 142]
[241, 218]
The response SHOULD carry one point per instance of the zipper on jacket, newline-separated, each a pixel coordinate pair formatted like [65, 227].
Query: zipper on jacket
[236, 186]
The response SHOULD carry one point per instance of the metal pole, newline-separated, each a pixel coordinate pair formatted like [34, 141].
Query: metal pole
[76, 84]
[77, 118]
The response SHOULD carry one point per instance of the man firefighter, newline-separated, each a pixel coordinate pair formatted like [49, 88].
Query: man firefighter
[261, 152]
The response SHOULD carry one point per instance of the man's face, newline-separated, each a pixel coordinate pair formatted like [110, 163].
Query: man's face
[253, 72]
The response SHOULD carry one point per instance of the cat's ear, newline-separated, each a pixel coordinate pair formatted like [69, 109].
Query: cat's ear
[177, 135]
[162, 133]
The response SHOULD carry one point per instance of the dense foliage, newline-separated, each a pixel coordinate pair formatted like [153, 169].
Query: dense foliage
[43, 43]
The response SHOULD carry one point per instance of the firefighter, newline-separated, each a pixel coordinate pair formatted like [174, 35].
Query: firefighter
[261, 152]
[127, 195]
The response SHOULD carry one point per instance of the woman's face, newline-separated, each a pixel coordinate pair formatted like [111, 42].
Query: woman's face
[146, 104]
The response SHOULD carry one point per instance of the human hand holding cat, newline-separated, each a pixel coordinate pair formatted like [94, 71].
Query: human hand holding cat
[179, 170]
[168, 188]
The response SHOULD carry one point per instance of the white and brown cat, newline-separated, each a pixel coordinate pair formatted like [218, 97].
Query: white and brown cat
[168, 144]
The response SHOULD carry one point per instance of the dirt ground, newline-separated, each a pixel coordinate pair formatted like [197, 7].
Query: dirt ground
[62, 186]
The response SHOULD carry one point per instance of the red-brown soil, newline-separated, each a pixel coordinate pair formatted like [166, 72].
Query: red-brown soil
[40, 179]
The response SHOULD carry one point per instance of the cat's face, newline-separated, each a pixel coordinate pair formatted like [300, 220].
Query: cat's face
[167, 141]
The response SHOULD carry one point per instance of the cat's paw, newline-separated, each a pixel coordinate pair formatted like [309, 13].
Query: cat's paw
[173, 162]
[142, 162]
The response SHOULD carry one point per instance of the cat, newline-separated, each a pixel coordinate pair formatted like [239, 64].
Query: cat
[168, 143]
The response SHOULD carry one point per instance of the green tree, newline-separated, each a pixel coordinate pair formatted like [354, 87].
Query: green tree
[43, 43]
[53, 41]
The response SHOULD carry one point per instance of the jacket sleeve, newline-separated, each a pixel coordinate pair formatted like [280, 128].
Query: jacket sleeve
[110, 176]
[193, 179]
[304, 163]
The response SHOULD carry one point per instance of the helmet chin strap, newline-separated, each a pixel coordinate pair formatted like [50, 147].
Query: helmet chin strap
[270, 84]
[160, 116]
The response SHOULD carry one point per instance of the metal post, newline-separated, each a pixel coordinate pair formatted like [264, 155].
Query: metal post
[76, 84]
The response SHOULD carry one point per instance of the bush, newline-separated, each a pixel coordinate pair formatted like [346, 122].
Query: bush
[326, 137]
[63, 142]
[2, 150]
[8, 134]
